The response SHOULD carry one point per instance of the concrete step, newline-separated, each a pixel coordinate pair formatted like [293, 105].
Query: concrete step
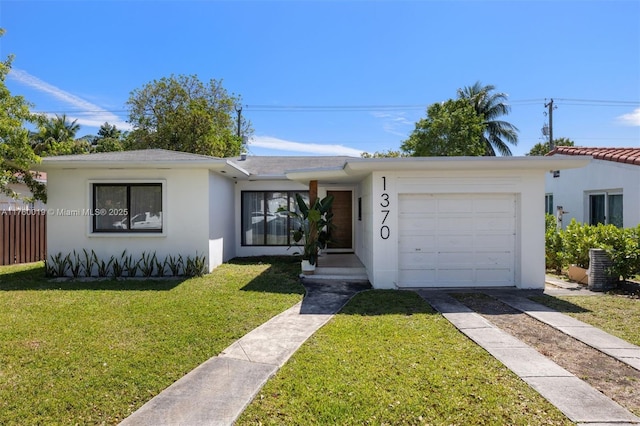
[334, 270]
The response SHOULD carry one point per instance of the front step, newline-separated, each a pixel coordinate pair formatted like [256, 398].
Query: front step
[337, 273]
[336, 270]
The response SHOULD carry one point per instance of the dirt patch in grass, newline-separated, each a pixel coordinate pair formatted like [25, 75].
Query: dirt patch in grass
[613, 378]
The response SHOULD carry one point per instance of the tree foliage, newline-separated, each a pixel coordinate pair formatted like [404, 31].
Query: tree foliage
[109, 139]
[497, 134]
[451, 128]
[543, 148]
[181, 113]
[16, 154]
[383, 154]
[56, 136]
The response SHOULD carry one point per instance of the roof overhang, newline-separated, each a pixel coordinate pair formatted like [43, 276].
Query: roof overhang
[222, 166]
[356, 169]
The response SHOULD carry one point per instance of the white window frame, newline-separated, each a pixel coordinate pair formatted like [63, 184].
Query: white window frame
[607, 194]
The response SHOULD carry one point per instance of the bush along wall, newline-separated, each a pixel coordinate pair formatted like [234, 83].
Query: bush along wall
[571, 246]
[87, 264]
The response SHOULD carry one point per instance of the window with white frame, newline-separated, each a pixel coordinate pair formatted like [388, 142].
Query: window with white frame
[262, 223]
[605, 207]
[127, 208]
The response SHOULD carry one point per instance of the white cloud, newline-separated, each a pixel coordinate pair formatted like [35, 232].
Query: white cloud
[630, 119]
[311, 148]
[89, 114]
[395, 123]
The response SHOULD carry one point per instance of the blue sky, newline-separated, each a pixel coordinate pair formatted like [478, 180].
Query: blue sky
[337, 77]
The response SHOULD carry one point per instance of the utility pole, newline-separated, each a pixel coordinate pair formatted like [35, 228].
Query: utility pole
[550, 106]
[239, 111]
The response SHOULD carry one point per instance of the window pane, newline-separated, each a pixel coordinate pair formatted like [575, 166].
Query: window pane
[596, 209]
[253, 218]
[146, 207]
[276, 221]
[615, 210]
[262, 223]
[548, 199]
[110, 203]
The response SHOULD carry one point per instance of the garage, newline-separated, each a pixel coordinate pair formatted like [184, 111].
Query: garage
[456, 240]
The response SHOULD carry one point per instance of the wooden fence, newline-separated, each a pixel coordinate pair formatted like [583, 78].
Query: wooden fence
[23, 236]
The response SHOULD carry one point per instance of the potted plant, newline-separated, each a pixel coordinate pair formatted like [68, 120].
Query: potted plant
[313, 231]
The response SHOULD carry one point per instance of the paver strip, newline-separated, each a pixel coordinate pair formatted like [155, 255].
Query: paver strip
[575, 398]
[598, 339]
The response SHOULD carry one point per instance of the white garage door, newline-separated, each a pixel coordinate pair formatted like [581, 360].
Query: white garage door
[456, 240]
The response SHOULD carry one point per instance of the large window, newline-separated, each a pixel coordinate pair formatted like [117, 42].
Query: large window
[127, 208]
[262, 223]
[605, 208]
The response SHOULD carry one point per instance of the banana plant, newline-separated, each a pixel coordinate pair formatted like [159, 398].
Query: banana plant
[315, 223]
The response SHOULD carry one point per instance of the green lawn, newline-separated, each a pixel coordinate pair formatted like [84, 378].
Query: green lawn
[617, 315]
[93, 352]
[387, 358]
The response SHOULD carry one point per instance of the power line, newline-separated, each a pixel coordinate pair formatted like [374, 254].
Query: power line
[371, 107]
[599, 101]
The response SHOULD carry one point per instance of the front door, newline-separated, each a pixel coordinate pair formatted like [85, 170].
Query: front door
[341, 235]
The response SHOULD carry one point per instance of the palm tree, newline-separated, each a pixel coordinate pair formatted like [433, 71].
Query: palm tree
[60, 129]
[55, 131]
[490, 106]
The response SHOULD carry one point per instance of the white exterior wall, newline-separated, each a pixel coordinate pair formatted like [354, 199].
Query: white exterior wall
[8, 203]
[364, 228]
[266, 185]
[222, 221]
[528, 187]
[571, 189]
[185, 213]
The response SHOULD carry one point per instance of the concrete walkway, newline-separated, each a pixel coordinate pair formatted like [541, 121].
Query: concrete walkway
[217, 391]
[613, 346]
[580, 402]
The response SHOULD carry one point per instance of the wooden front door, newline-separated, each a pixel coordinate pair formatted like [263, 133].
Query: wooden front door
[341, 235]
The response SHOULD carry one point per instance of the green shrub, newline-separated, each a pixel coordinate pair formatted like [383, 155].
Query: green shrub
[571, 246]
[554, 245]
[147, 264]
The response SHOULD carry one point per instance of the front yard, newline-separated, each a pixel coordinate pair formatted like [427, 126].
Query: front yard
[93, 352]
[614, 313]
[389, 359]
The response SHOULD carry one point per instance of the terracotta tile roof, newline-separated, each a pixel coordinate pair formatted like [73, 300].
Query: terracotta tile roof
[619, 155]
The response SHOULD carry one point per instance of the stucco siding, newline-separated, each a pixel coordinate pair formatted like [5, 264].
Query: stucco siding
[185, 213]
[571, 189]
[222, 242]
[363, 229]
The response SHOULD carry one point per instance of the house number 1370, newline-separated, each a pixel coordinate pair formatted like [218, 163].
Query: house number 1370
[384, 203]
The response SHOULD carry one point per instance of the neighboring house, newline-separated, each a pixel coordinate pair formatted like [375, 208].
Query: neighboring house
[413, 222]
[606, 191]
[9, 203]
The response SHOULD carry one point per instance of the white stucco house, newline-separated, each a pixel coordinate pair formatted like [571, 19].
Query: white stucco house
[412, 222]
[8, 203]
[606, 191]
